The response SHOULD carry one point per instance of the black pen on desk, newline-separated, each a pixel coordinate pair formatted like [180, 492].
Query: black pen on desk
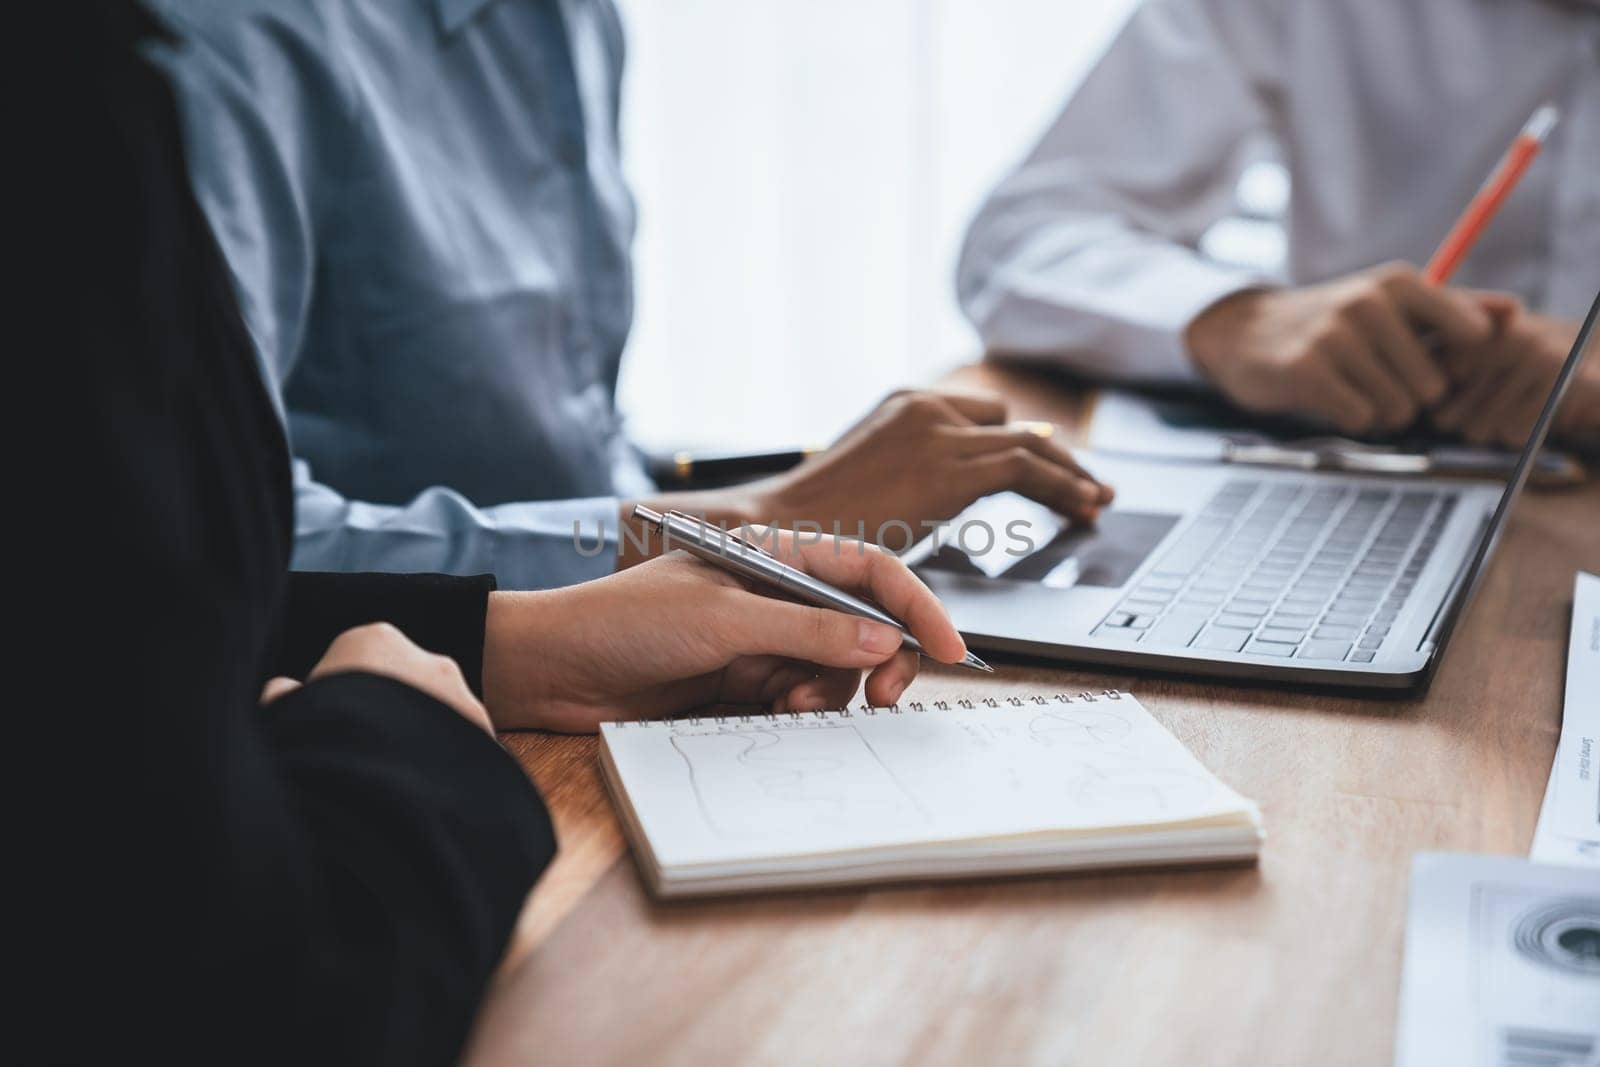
[688, 466]
[726, 550]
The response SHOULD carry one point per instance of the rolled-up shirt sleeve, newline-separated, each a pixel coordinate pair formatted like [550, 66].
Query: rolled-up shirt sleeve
[1087, 255]
[527, 545]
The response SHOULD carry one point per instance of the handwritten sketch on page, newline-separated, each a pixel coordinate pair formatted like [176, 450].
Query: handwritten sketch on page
[757, 782]
[862, 779]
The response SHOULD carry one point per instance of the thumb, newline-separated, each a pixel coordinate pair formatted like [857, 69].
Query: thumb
[278, 687]
[765, 626]
[1502, 307]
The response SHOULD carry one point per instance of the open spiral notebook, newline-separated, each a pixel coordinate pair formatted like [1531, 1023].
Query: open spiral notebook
[943, 790]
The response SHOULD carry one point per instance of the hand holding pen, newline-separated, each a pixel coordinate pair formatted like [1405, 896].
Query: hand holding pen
[730, 552]
[673, 634]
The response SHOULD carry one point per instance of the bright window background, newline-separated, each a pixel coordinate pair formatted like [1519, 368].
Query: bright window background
[805, 170]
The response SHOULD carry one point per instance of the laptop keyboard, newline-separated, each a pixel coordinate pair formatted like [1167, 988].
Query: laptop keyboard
[1303, 572]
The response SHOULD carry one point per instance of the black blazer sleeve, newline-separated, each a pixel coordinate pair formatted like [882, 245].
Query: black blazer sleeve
[329, 879]
[420, 842]
[443, 614]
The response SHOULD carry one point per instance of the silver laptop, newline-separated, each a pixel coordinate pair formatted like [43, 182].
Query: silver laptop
[1222, 570]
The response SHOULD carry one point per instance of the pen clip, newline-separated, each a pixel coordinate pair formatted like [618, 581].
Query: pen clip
[751, 546]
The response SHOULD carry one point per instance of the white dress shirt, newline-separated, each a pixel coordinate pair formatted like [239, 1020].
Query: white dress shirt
[1388, 114]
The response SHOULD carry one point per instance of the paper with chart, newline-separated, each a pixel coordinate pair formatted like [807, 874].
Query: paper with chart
[1569, 821]
[723, 790]
[1502, 965]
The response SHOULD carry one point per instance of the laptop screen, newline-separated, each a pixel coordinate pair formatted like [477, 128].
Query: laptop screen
[1583, 345]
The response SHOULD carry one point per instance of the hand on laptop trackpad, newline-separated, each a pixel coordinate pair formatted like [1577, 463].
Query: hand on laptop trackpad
[1106, 554]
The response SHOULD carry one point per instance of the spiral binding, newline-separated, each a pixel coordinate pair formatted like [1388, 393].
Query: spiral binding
[913, 707]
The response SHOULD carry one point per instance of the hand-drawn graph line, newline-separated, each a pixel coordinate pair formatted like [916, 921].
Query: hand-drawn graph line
[1103, 784]
[790, 779]
[1160, 788]
[1079, 726]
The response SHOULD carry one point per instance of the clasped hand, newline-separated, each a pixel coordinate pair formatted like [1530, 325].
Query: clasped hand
[1381, 350]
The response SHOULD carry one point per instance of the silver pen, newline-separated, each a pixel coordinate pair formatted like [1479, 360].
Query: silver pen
[728, 550]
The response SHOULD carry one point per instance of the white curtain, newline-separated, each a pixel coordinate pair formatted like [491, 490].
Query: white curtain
[805, 170]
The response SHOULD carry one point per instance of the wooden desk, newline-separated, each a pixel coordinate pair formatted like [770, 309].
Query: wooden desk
[1296, 961]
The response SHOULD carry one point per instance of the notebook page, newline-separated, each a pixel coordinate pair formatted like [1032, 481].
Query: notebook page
[721, 790]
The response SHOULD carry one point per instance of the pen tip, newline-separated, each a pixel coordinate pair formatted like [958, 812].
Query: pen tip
[975, 662]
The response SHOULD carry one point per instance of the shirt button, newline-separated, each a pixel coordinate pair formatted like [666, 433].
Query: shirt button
[570, 151]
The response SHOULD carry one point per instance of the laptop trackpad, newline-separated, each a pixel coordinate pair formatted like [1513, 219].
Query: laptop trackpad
[1106, 554]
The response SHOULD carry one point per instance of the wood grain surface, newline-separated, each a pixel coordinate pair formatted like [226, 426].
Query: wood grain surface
[1295, 961]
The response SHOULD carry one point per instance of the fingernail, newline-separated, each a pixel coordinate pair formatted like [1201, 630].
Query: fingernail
[878, 638]
[895, 691]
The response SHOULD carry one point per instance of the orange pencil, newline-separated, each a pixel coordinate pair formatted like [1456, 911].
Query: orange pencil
[1464, 234]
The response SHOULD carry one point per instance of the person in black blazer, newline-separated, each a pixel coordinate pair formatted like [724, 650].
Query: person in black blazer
[275, 825]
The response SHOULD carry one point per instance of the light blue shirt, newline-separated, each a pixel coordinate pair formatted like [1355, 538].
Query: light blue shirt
[423, 207]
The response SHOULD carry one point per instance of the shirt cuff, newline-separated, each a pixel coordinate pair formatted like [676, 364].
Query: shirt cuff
[1187, 288]
[550, 544]
[540, 544]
